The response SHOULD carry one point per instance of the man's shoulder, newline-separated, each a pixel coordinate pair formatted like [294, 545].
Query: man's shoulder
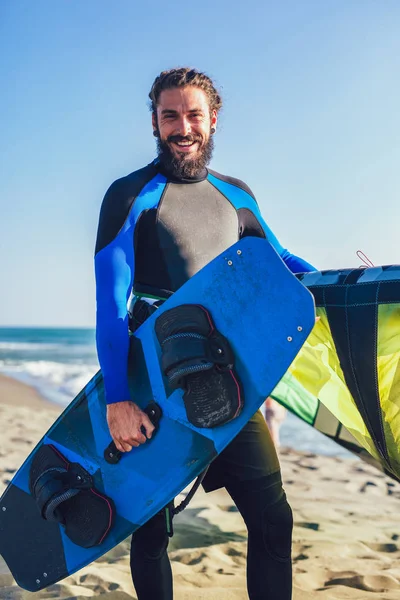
[232, 181]
[130, 185]
[118, 201]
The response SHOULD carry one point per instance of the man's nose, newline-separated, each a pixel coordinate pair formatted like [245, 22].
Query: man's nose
[184, 127]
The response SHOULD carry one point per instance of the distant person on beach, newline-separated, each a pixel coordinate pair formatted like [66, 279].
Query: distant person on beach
[152, 249]
[274, 414]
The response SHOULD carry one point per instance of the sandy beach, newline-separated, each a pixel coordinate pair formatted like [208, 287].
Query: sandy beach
[346, 536]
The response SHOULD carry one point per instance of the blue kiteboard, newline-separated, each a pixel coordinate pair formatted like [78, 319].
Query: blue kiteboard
[264, 313]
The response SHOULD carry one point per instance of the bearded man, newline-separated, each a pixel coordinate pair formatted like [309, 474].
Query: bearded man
[159, 226]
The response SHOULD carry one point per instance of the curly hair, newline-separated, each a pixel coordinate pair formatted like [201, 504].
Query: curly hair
[182, 77]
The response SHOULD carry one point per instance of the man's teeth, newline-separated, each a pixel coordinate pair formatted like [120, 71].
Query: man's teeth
[185, 143]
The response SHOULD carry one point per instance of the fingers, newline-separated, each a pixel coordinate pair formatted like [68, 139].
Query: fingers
[126, 444]
[139, 437]
[129, 426]
[123, 446]
[148, 426]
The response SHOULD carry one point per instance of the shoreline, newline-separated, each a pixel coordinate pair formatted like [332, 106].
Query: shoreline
[12, 389]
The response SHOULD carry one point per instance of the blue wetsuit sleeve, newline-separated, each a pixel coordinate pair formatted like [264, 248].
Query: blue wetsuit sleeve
[114, 271]
[293, 262]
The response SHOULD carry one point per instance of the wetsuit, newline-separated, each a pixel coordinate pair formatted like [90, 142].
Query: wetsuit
[155, 232]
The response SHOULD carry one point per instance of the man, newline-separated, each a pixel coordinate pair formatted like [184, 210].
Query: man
[158, 227]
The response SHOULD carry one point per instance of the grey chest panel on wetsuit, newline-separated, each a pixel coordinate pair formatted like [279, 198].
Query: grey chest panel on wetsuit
[195, 223]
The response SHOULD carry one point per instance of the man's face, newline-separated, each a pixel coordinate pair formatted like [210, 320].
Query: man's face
[183, 124]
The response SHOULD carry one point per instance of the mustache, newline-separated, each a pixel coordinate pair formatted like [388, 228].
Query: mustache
[184, 138]
[185, 167]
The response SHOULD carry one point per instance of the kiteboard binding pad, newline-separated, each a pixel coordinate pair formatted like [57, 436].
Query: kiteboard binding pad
[200, 366]
[198, 358]
[64, 493]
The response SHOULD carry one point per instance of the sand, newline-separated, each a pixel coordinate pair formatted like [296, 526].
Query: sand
[346, 542]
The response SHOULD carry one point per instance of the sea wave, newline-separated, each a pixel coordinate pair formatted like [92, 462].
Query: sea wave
[59, 382]
[38, 346]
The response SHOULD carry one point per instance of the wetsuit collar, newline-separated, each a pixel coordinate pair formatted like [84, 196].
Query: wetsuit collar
[161, 169]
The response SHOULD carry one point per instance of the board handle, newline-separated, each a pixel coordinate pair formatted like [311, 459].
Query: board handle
[112, 455]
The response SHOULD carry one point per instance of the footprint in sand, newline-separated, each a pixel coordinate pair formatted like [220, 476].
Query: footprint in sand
[308, 525]
[228, 508]
[394, 494]
[367, 583]
[11, 593]
[222, 571]
[231, 551]
[113, 586]
[367, 486]
[308, 466]
[336, 480]
[383, 547]
[191, 558]
[300, 557]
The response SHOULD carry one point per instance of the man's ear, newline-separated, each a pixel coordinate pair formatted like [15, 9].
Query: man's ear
[214, 119]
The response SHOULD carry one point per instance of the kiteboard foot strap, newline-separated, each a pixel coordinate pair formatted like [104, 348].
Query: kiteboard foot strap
[64, 493]
[199, 359]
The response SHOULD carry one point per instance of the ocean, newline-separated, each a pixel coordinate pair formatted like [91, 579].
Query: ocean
[58, 362]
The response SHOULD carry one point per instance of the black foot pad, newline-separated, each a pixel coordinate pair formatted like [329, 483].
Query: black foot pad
[64, 493]
[199, 359]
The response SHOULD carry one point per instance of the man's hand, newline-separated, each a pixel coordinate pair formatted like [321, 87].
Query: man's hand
[129, 425]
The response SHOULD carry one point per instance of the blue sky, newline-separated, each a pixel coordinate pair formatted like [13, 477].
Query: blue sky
[310, 121]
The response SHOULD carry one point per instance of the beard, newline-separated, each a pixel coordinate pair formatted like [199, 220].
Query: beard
[183, 166]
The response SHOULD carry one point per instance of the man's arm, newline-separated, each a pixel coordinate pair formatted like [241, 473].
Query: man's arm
[293, 262]
[251, 221]
[114, 269]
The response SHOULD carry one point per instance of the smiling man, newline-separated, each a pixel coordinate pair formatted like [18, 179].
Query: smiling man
[184, 124]
[159, 226]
